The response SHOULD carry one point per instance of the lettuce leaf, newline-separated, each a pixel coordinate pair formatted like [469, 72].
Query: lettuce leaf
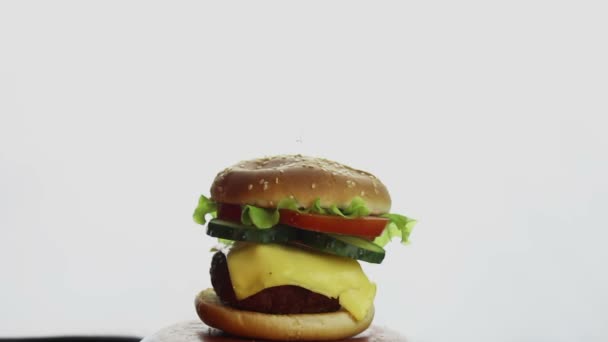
[316, 208]
[357, 208]
[205, 207]
[399, 227]
[289, 203]
[259, 217]
[334, 210]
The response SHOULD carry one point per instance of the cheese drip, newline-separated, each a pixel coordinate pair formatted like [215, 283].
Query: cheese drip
[255, 267]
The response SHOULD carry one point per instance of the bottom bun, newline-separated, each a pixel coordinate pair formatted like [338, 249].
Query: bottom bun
[301, 327]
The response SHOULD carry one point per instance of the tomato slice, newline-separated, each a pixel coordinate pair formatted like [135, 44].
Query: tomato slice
[229, 212]
[369, 226]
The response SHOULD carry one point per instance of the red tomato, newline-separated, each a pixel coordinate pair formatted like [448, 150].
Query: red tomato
[369, 226]
[229, 212]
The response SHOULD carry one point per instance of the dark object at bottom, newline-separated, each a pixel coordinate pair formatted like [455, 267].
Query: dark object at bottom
[73, 339]
[199, 332]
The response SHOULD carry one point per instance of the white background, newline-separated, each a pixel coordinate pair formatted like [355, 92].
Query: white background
[486, 121]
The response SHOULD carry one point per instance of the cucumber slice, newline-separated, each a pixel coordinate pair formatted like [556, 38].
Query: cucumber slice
[366, 247]
[238, 232]
[341, 245]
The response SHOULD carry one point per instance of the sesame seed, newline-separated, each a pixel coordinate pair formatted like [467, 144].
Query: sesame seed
[265, 186]
[362, 193]
[291, 196]
[282, 171]
[313, 185]
[271, 203]
[250, 186]
[276, 180]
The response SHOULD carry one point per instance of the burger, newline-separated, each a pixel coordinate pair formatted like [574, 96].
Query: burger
[293, 230]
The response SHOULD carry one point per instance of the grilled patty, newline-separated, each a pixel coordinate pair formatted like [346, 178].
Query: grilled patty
[287, 299]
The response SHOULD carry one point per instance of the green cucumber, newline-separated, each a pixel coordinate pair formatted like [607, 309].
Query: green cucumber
[238, 232]
[366, 248]
[341, 245]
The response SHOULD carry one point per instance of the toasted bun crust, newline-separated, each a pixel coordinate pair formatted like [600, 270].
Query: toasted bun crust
[302, 327]
[266, 181]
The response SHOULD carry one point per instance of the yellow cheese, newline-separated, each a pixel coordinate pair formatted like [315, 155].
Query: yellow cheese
[255, 267]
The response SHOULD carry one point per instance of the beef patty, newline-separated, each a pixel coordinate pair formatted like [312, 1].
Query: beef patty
[287, 299]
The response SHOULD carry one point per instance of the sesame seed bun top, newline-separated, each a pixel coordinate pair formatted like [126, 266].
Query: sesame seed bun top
[265, 181]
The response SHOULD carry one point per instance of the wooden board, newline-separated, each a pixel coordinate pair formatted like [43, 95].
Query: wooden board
[195, 331]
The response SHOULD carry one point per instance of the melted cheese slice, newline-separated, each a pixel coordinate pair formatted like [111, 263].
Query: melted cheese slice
[255, 267]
